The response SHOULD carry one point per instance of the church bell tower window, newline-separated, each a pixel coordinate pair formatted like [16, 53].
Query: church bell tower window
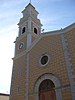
[23, 30]
[35, 30]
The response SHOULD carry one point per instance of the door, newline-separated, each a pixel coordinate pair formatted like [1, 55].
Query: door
[47, 91]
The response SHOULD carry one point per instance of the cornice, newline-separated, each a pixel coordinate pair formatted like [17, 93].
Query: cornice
[56, 32]
[68, 28]
[27, 50]
[64, 30]
[20, 37]
[3, 94]
[19, 55]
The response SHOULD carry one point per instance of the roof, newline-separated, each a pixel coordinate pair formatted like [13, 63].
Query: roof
[29, 6]
[3, 94]
[56, 32]
[66, 29]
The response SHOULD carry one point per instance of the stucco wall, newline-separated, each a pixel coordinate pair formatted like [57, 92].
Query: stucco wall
[4, 97]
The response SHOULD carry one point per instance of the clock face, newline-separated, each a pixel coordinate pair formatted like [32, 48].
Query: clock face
[20, 45]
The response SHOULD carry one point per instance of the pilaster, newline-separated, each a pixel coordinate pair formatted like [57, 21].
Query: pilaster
[68, 64]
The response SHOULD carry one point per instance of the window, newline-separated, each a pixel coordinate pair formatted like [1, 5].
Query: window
[35, 30]
[46, 85]
[23, 30]
[44, 60]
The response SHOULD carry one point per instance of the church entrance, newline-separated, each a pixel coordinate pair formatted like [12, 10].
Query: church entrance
[47, 91]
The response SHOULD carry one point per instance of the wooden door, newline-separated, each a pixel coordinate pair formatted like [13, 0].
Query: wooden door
[47, 93]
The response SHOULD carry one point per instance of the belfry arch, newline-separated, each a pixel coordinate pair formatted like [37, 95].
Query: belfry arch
[52, 80]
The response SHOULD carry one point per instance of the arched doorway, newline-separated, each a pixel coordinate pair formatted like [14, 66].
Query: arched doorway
[46, 90]
[52, 78]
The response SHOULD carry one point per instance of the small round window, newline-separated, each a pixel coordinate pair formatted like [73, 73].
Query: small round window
[44, 60]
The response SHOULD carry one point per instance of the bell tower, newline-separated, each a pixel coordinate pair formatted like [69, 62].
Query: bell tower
[29, 24]
[29, 30]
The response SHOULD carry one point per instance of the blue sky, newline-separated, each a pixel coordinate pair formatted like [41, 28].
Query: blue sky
[54, 14]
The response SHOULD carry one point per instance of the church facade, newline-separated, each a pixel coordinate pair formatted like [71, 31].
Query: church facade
[44, 63]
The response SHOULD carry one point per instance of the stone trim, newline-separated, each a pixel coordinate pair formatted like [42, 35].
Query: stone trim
[68, 64]
[27, 76]
[27, 50]
[56, 82]
[56, 32]
[20, 38]
[3, 94]
[29, 40]
[41, 65]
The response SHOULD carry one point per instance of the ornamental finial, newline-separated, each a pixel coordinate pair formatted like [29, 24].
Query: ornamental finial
[30, 1]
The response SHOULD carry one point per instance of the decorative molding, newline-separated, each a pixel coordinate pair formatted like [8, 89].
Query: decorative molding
[19, 55]
[42, 35]
[29, 40]
[41, 58]
[27, 75]
[28, 49]
[29, 24]
[3, 94]
[56, 32]
[20, 37]
[56, 82]
[68, 64]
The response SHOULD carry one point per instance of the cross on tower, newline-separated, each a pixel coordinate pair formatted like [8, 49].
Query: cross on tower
[30, 1]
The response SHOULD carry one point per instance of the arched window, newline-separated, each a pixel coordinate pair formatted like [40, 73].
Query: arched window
[23, 30]
[35, 30]
[46, 85]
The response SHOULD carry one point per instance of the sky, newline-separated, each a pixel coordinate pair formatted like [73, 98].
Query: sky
[54, 15]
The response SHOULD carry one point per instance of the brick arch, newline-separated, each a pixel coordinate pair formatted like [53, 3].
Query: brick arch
[56, 82]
